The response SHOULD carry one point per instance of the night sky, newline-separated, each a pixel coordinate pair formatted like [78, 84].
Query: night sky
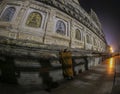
[108, 12]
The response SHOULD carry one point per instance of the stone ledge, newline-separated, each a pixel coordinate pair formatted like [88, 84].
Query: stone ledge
[5, 24]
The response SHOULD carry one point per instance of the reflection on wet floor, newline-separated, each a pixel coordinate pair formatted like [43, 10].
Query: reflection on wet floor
[80, 84]
[110, 67]
[97, 80]
[93, 76]
[111, 63]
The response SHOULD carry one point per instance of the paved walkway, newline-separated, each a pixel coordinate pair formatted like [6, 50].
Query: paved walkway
[94, 81]
[116, 84]
[98, 80]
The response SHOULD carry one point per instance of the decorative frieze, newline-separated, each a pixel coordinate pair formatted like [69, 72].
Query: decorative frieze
[26, 36]
[70, 11]
[53, 22]
[56, 40]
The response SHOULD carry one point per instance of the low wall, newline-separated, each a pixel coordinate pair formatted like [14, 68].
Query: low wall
[40, 71]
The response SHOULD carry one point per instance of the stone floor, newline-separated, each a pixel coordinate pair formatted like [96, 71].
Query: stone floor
[97, 80]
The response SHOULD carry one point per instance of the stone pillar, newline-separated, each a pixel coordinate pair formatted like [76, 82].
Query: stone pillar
[47, 80]
[86, 63]
[8, 71]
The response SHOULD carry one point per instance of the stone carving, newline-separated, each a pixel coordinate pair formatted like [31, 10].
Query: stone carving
[78, 34]
[8, 14]
[61, 27]
[52, 18]
[34, 20]
[88, 39]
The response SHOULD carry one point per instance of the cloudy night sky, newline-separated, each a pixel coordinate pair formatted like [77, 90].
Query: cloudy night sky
[108, 12]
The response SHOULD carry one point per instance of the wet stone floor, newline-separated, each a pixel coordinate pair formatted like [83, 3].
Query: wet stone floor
[101, 79]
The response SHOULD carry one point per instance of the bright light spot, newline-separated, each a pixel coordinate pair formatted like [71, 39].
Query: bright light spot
[111, 50]
[111, 63]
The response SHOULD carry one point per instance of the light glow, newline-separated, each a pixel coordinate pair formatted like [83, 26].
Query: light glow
[111, 50]
[111, 63]
[111, 66]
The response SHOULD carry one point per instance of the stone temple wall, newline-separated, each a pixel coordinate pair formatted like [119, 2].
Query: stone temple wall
[31, 29]
[31, 72]
[38, 22]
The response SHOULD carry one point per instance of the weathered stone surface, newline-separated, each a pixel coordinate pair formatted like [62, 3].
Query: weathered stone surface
[33, 32]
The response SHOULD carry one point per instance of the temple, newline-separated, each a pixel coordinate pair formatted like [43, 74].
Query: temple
[31, 30]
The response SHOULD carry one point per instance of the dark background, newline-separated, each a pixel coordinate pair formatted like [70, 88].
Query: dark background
[108, 12]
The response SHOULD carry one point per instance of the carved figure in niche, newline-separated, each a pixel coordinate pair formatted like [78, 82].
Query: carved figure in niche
[34, 20]
[61, 27]
[78, 35]
[88, 39]
[8, 14]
